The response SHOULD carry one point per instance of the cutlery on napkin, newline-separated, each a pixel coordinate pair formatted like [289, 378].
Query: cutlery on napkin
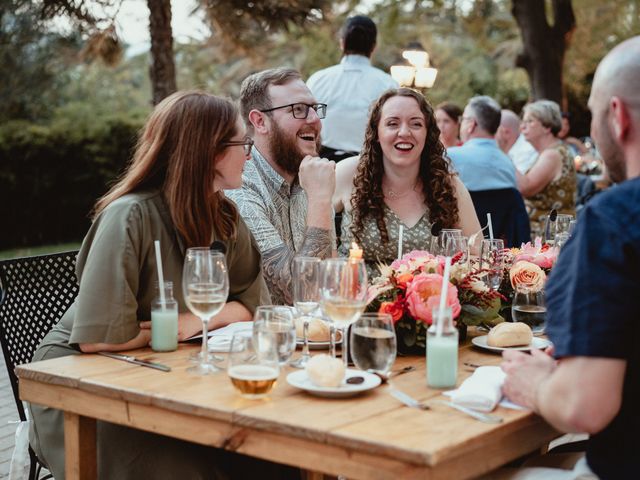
[481, 391]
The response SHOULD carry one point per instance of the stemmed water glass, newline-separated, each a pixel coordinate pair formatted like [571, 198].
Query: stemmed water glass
[529, 307]
[343, 294]
[373, 343]
[455, 245]
[306, 298]
[492, 260]
[557, 225]
[205, 283]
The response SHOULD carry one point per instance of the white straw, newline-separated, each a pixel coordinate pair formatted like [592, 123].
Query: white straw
[490, 226]
[443, 296]
[160, 276]
[400, 234]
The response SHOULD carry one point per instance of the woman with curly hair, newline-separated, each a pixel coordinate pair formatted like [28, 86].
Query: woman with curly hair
[402, 177]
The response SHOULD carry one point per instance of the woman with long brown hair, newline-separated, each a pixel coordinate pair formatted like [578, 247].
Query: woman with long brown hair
[402, 178]
[192, 146]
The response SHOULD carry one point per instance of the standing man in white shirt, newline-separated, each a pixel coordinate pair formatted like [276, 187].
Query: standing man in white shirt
[349, 89]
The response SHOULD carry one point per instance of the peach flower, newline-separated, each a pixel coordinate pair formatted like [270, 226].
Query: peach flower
[527, 274]
[423, 294]
[393, 309]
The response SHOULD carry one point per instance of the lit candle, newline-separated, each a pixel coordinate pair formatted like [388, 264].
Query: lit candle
[355, 252]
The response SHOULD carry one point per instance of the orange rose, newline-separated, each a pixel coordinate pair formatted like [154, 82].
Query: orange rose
[527, 274]
[403, 279]
[393, 309]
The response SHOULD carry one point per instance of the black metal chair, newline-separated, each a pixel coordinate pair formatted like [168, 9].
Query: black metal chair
[34, 294]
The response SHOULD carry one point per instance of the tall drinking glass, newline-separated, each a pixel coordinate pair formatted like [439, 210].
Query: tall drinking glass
[492, 260]
[556, 225]
[373, 343]
[306, 298]
[205, 283]
[343, 294]
[276, 321]
[455, 245]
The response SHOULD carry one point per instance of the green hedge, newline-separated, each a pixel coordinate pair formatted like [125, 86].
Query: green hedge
[51, 175]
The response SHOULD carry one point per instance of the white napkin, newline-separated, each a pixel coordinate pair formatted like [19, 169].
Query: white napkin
[481, 391]
[220, 339]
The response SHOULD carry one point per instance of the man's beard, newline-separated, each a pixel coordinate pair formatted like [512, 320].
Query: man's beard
[611, 153]
[285, 150]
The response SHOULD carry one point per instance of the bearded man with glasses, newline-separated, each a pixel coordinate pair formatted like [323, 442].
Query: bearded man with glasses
[285, 197]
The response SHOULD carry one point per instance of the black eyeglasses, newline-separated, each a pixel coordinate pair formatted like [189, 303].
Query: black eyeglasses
[247, 143]
[301, 110]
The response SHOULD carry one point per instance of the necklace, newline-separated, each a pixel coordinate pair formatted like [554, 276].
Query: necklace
[393, 195]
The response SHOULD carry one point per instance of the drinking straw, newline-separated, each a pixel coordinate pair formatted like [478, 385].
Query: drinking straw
[443, 296]
[400, 234]
[160, 276]
[490, 226]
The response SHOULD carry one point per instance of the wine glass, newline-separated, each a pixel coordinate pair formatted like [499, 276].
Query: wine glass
[373, 343]
[253, 364]
[276, 321]
[556, 224]
[439, 243]
[306, 298]
[492, 260]
[205, 283]
[455, 245]
[343, 294]
[529, 307]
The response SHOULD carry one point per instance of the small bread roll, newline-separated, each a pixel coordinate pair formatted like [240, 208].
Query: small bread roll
[510, 334]
[318, 330]
[325, 371]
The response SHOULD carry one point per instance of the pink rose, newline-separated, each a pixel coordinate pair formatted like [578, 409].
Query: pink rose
[423, 294]
[527, 274]
[540, 254]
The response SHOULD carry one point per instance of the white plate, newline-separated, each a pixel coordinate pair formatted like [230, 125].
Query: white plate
[317, 345]
[299, 379]
[537, 342]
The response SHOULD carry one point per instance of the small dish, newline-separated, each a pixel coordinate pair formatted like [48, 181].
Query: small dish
[319, 345]
[537, 342]
[299, 379]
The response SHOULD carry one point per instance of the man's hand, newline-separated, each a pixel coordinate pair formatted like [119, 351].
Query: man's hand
[318, 178]
[525, 374]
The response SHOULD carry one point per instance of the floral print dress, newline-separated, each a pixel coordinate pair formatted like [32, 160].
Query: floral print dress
[559, 194]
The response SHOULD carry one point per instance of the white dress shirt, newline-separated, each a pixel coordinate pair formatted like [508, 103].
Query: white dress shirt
[349, 89]
[523, 154]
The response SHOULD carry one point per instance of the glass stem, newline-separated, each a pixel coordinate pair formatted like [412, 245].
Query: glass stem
[345, 347]
[204, 352]
[332, 341]
[305, 335]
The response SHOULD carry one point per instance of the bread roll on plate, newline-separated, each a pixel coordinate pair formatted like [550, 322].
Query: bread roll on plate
[318, 330]
[510, 334]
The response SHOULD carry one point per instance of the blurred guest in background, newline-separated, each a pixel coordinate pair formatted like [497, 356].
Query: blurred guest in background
[551, 182]
[400, 181]
[513, 143]
[349, 89]
[448, 117]
[575, 146]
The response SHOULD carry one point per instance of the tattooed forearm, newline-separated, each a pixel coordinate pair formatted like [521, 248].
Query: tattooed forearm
[276, 262]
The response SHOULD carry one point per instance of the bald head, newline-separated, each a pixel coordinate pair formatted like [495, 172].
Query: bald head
[615, 110]
[508, 131]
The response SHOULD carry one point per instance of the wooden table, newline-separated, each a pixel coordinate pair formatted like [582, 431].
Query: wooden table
[371, 436]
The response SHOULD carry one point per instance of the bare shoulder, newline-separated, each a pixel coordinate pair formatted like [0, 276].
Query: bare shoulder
[345, 173]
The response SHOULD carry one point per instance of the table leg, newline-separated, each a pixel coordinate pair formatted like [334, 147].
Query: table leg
[80, 447]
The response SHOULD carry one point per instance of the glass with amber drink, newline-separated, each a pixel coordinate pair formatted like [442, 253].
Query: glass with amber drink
[253, 364]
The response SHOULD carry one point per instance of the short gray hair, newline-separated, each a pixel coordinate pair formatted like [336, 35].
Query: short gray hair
[487, 113]
[254, 91]
[547, 112]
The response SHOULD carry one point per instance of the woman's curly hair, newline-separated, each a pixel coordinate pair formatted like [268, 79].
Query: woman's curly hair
[437, 181]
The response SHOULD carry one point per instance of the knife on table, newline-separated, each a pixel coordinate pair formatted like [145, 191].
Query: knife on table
[135, 361]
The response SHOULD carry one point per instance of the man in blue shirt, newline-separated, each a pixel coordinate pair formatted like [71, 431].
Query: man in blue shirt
[593, 384]
[349, 89]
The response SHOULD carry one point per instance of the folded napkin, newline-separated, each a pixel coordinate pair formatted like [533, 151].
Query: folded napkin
[220, 339]
[481, 391]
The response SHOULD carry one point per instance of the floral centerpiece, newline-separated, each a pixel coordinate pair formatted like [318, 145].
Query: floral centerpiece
[409, 289]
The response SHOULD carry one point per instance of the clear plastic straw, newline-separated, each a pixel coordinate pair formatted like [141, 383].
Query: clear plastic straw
[443, 296]
[400, 235]
[160, 275]
[490, 226]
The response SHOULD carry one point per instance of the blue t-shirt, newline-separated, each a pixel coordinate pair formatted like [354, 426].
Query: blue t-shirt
[481, 165]
[593, 296]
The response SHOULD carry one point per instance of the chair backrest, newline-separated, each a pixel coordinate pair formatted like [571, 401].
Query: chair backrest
[35, 293]
[509, 217]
